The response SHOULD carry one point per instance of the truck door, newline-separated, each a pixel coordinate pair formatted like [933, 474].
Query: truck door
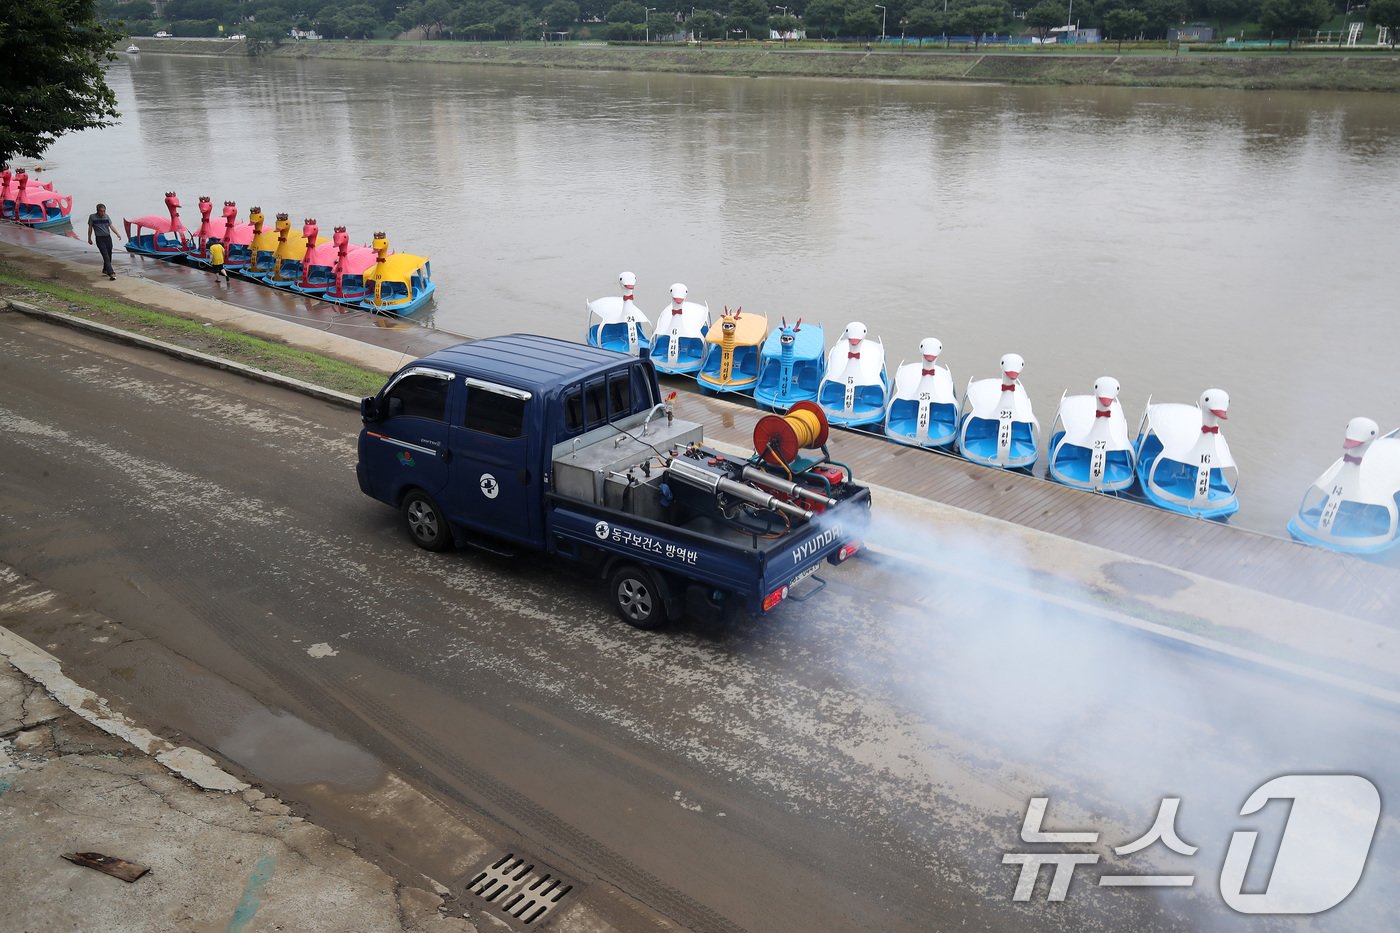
[495, 484]
[404, 447]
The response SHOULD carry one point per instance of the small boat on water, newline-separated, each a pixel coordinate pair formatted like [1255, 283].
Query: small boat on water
[1092, 450]
[32, 203]
[132, 49]
[731, 352]
[397, 283]
[262, 249]
[855, 388]
[322, 266]
[1354, 506]
[1183, 462]
[791, 366]
[237, 238]
[162, 237]
[678, 341]
[619, 324]
[996, 426]
[348, 285]
[197, 250]
[923, 409]
[286, 272]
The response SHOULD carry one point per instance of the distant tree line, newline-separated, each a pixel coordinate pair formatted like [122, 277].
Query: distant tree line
[480, 20]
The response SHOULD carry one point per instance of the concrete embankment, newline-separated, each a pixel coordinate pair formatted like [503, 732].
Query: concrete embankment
[1362, 70]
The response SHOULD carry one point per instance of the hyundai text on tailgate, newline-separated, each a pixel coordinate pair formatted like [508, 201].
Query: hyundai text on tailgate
[527, 443]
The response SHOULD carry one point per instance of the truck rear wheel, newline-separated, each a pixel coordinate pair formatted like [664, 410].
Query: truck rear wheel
[637, 597]
[425, 523]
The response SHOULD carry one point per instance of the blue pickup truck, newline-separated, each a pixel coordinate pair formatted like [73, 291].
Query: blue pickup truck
[528, 443]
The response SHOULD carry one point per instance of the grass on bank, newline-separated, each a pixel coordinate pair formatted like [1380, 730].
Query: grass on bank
[216, 341]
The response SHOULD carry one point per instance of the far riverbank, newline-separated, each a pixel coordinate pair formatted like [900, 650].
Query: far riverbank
[1301, 70]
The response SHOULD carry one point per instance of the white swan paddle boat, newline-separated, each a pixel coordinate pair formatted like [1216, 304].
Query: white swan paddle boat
[923, 408]
[1183, 462]
[855, 388]
[1092, 450]
[791, 365]
[997, 427]
[678, 340]
[619, 324]
[1354, 507]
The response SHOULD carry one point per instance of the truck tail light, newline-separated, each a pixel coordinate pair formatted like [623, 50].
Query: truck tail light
[775, 597]
[847, 550]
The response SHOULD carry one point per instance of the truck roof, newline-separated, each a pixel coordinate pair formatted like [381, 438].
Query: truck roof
[526, 361]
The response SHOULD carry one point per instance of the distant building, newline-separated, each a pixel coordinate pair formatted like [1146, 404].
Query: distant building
[1072, 35]
[1193, 33]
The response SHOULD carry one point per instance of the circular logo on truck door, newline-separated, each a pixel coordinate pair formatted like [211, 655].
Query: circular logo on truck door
[489, 488]
[601, 530]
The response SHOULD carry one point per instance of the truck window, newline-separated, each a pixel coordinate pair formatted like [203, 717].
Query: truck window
[418, 397]
[595, 406]
[493, 413]
[619, 394]
[573, 412]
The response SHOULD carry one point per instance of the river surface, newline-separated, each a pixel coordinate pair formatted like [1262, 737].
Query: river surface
[1174, 239]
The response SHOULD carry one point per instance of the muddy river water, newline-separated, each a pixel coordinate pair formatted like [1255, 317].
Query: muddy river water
[1173, 239]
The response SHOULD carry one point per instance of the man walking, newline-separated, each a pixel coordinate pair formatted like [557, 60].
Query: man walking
[100, 226]
[216, 259]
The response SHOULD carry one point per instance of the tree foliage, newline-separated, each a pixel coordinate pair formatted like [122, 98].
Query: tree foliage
[978, 20]
[1293, 17]
[51, 76]
[1386, 13]
[1045, 16]
[560, 15]
[1120, 24]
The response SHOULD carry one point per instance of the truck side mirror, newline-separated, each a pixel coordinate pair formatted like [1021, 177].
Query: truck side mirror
[369, 408]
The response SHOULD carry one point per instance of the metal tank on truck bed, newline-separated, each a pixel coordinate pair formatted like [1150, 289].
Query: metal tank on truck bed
[528, 443]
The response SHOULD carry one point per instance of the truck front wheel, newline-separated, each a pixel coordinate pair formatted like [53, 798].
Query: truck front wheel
[637, 597]
[425, 523]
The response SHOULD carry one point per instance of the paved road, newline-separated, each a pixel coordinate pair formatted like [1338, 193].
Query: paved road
[859, 762]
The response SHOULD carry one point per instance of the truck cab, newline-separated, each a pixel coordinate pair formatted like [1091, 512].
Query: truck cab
[472, 426]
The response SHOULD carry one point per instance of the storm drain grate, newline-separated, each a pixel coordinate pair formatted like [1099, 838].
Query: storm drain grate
[519, 888]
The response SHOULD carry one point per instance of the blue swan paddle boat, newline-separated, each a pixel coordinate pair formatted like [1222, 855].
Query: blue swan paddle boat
[678, 341]
[1183, 462]
[996, 426]
[855, 389]
[923, 411]
[1354, 507]
[619, 322]
[791, 366]
[1092, 449]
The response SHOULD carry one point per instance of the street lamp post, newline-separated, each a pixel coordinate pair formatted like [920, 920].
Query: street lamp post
[647, 17]
[882, 21]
